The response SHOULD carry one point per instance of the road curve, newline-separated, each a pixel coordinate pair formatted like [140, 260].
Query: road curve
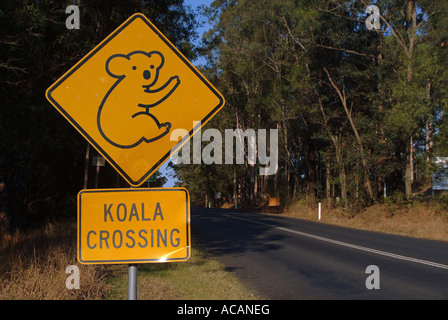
[286, 258]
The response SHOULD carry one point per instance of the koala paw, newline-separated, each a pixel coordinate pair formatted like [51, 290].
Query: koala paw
[165, 124]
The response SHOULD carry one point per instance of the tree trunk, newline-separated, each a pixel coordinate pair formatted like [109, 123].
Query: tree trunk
[311, 162]
[337, 147]
[343, 178]
[380, 186]
[206, 200]
[382, 141]
[411, 16]
[296, 186]
[408, 170]
[251, 182]
[365, 165]
[411, 159]
[327, 179]
[429, 138]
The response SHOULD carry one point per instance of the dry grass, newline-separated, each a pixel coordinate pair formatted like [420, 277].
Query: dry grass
[201, 277]
[33, 264]
[421, 220]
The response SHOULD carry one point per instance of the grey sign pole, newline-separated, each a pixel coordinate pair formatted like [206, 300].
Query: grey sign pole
[132, 282]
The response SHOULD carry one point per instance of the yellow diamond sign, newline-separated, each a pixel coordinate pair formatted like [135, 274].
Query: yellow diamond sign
[130, 93]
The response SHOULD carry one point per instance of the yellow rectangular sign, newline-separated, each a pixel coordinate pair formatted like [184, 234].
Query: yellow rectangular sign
[141, 225]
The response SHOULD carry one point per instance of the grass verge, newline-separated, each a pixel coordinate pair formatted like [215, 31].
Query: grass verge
[428, 220]
[33, 264]
[202, 277]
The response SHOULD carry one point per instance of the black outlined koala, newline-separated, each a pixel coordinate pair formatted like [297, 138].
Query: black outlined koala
[124, 118]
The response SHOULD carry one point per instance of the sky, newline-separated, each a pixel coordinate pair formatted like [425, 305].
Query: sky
[168, 173]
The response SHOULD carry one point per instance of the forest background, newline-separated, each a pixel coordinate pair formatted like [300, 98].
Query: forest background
[357, 110]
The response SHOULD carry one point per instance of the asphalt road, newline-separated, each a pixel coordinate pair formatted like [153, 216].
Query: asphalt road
[285, 258]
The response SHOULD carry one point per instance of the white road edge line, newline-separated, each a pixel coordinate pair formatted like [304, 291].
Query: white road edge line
[345, 244]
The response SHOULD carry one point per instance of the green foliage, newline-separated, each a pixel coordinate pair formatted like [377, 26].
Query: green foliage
[343, 98]
[443, 203]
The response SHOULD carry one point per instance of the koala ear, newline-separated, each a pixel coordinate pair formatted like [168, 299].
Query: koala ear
[157, 58]
[117, 65]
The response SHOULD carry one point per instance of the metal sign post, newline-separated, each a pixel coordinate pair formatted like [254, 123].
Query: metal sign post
[132, 282]
[128, 225]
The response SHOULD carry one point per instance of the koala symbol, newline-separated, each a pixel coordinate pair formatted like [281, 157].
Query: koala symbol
[124, 118]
